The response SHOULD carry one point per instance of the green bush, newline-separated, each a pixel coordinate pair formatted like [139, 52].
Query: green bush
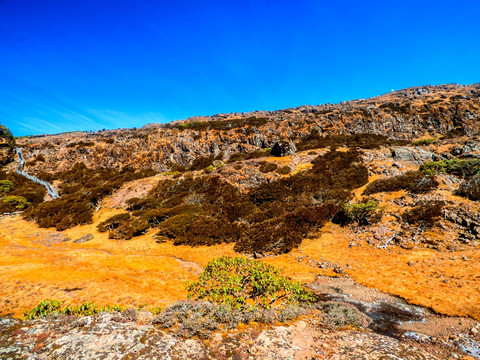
[50, 307]
[356, 212]
[209, 169]
[19, 202]
[89, 309]
[6, 186]
[425, 142]
[43, 309]
[363, 213]
[241, 283]
[459, 167]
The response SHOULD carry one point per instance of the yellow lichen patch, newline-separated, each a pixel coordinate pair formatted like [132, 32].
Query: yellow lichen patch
[301, 167]
[281, 161]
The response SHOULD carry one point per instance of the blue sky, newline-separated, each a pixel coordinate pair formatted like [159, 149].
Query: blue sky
[82, 65]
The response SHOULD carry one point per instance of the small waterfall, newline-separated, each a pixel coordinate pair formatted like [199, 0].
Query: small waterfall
[21, 164]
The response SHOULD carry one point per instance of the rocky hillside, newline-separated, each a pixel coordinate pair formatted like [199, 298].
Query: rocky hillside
[7, 146]
[405, 114]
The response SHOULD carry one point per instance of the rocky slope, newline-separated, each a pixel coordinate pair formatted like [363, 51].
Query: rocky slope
[405, 114]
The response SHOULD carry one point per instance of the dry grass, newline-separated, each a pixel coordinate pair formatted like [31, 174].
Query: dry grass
[140, 271]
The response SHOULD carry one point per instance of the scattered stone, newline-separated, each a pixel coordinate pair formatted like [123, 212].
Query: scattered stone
[411, 154]
[84, 238]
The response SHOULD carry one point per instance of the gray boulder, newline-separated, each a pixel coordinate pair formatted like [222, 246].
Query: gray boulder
[283, 148]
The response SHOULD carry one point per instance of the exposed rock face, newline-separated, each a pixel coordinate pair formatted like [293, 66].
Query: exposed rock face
[405, 114]
[283, 148]
[7, 146]
[113, 336]
[410, 154]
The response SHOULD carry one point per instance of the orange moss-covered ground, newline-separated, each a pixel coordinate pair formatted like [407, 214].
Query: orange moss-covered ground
[36, 264]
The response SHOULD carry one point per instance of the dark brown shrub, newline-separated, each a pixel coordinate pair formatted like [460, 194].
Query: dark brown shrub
[283, 170]
[81, 191]
[470, 189]
[266, 167]
[424, 212]
[201, 163]
[412, 181]
[361, 141]
[175, 227]
[271, 218]
[113, 222]
[247, 156]
[61, 213]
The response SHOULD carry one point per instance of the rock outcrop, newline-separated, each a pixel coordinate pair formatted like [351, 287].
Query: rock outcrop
[404, 114]
[283, 148]
[7, 146]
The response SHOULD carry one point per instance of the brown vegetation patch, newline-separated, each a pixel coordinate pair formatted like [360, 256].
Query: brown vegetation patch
[360, 141]
[413, 181]
[81, 190]
[271, 218]
[32, 192]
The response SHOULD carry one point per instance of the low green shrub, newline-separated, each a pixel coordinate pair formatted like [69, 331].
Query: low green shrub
[459, 167]
[89, 309]
[171, 173]
[54, 307]
[12, 184]
[19, 202]
[363, 213]
[43, 309]
[209, 169]
[425, 142]
[241, 283]
[6, 186]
